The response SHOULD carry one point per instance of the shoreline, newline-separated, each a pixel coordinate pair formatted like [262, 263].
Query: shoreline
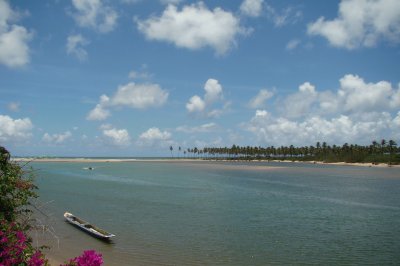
[185, 160]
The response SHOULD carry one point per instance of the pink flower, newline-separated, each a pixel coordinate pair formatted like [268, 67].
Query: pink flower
[88, 258]
[20, 236]
[3, 240]
[36, 259]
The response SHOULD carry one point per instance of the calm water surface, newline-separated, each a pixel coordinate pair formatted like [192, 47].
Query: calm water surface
[222, 214]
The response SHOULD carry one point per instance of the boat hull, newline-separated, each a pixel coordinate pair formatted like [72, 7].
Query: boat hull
[87, 227]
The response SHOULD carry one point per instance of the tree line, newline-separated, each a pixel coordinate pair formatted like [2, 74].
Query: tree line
[377, 152]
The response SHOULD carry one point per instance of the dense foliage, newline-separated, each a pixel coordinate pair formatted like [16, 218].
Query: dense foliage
[16, 191]
[378, 152]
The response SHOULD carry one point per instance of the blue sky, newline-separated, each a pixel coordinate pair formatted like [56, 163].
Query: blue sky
[132, 77]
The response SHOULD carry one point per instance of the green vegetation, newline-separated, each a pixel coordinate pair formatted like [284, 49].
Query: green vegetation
[16, 191]
[378, 152]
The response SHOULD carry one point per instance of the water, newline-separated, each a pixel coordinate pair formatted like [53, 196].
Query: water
[208, 213]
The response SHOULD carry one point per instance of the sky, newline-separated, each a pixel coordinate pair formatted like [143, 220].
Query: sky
[134, 77]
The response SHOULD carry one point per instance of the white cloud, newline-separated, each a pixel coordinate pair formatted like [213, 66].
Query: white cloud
[213, 94]
[292, 44]
[358, 96]
[205, 128]
[94, 14]
[56, 138]
[195, 104]
[14, 130]
[360, 23]
[357, 112]
[259, 100]
[299, 104]
[396, 120]
[139, 96]
[194, 27]
[252, 8]
[354, 96]
[289, 15]
[154, 136]
[100, 112]
[213, 91]
[118, 137]
[14, 49]
[272, 130]
[75, 44]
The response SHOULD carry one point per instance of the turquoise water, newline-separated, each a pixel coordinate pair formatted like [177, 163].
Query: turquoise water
[225, 213]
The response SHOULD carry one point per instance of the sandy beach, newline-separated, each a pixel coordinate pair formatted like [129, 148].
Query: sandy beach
[187, 160]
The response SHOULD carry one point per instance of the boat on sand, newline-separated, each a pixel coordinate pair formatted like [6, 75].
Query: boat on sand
[87, 227]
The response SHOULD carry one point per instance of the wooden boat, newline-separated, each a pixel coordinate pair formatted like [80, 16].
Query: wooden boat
[87, 227]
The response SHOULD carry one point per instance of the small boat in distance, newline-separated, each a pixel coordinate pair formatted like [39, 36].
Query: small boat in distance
[87, 227]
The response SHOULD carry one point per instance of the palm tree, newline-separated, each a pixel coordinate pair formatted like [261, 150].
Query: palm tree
[171, 149]
[383, 144]
[392, 146]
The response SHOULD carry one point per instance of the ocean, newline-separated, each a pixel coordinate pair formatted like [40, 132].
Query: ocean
[222, 213]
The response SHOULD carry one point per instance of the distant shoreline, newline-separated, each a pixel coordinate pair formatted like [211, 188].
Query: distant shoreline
[189, 160]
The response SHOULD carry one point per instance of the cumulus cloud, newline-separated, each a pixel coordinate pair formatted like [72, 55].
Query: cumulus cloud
[360, 24]
[117, 137]
[154, 136]
[252, 8]
[100, 112]
[353, 96]
[299, 104]
[337, 130]
[195, 104]
[14, 49]
[94, 14]
[56, 138]
[259, 100]
[15, 130]
[138, 96]
[360, 96]
[213, 94]
[357, 112]
[75, 44]
[194, 27]
[213, 91]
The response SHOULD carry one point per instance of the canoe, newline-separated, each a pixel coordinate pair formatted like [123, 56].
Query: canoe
[87, 227]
